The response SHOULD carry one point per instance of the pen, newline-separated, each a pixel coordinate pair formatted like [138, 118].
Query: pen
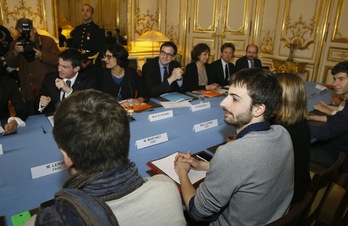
[43, 130]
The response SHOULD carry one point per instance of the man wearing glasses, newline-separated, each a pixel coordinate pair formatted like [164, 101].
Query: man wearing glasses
[162, 74]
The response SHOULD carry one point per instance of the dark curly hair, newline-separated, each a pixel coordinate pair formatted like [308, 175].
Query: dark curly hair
[120, 53]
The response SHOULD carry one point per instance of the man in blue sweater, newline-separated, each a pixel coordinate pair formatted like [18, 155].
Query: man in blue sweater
[249, 181]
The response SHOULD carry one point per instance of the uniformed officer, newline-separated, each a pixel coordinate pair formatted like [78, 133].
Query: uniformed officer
[90, 40]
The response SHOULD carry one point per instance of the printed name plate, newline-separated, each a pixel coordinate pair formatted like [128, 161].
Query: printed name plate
[1, 151]
[149, 141]
[205, 125]
[320, 87]
[160, 116]
[200, 106]
[47, 169]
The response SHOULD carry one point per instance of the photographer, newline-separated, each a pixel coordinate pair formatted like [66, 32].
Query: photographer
[35, 55]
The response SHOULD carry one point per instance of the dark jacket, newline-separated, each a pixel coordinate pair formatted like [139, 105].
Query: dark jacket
[48, 88]
[218, 72]
[9, 92]
[130, 87]
[191, 77]
[335, 134]
[151, 73]
[242, 63]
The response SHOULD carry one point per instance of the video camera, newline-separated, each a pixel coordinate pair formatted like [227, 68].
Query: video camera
[28, 45]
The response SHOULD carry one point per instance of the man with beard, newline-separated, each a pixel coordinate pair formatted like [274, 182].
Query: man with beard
[249, 181]
[332, 137]
[250, 59]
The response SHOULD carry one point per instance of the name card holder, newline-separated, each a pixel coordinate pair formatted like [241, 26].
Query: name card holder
[150, 141]
[200, 106]
[161, 115]
[205, 125]
[47, 169]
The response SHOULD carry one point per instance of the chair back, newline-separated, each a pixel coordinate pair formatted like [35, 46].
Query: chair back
[306, 212]
[320, 183]
[296, 214]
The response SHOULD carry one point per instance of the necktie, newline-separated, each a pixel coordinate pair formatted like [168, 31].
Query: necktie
[68, 82]
[251, 64]
[226, 73]
[165, 73]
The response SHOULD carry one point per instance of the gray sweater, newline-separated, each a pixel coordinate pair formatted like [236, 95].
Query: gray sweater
[250, 181]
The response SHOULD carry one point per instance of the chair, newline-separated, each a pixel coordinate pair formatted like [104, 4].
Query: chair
[306, 212]
[296, 214]
[320, 183]
[334, 210]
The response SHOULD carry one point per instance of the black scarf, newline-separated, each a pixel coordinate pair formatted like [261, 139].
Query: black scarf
[82, 199]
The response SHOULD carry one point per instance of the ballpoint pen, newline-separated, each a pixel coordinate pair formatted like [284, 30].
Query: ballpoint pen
[43, 130]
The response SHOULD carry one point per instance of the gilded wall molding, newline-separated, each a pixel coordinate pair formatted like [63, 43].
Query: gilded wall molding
[340, 33]
[146, 21]
[25, 9]
[198, 8]
[298, 34]
[337, 54]
[267, 42]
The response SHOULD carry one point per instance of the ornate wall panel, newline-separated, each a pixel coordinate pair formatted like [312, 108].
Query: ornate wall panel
[266, 23]
[340, 31]
[205, 16]
[235, 16]
[338, 54]
[35, 10]
[300, 25]
[147, 16]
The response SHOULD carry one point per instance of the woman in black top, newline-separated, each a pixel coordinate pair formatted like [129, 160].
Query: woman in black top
[291, 113]
[118, 79]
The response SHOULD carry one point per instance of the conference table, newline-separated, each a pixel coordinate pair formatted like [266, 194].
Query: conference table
[33, 145]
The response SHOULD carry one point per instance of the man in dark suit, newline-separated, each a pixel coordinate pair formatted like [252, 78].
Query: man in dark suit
[222, 68]
[250, 59]
[59, 85]
[9, 92]
[89, 38]
[162, 74]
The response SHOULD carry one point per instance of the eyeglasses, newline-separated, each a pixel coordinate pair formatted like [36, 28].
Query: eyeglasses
[162, 53]
[108, 57]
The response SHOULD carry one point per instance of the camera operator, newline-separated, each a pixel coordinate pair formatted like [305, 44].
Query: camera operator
[35, 55]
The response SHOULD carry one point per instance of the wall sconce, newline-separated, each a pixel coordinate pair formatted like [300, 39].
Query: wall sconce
[153, 36]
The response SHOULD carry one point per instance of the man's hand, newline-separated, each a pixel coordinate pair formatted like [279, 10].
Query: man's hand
[38, 53]
[44, 101]
[213, 86]
[61, 85]
[11, 127]
[183, 160]
[176, 75]
[323, 107]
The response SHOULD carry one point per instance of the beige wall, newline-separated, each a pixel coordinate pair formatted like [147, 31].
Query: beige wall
[317, 27]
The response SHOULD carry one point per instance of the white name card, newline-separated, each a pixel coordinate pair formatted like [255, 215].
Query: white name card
[200, 106]
[1, 151]
[160, 115]
[320, 87]
[205, 125]
[47, 169]
[149, 141]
